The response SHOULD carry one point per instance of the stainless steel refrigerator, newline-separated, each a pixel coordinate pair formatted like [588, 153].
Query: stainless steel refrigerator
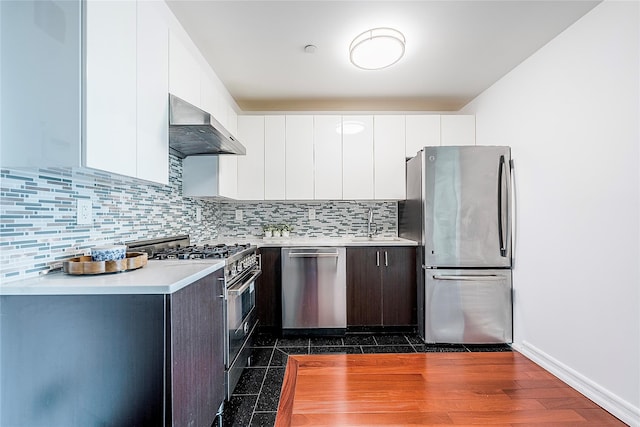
[459, 207]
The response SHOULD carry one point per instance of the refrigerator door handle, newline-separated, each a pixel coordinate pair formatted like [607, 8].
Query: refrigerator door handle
[501, 177]
[470, 278]
[512, 217]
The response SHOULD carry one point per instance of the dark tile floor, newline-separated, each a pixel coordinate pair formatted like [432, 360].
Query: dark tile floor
[255, 399]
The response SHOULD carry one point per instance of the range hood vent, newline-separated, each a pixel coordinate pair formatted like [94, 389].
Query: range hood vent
[193, 132]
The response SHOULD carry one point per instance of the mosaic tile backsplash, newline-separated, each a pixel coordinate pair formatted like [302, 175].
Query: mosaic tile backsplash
[333, 218]
[38, 215]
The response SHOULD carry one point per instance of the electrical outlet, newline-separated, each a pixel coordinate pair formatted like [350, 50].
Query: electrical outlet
[312, 214]
[83, 212]
[238, 214]
[198, 214]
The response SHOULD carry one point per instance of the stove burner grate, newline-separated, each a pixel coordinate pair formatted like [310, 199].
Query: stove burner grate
[219, 251]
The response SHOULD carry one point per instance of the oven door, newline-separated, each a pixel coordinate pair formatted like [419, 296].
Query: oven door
[241, 302]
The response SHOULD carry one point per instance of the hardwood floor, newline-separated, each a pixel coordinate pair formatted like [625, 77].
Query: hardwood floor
[498, 389]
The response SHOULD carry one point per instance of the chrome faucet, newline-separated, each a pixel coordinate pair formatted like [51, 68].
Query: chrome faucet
[370, 223]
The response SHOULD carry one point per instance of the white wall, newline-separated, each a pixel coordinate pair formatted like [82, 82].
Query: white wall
[570, 112]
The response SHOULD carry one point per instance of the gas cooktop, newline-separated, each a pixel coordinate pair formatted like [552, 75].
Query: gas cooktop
[180, 248]
[220, 251]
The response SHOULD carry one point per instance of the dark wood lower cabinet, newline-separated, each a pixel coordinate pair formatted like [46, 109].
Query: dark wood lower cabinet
[113, 360]
[381, 286]
[196, 352]
[364, 287]
[269, 289]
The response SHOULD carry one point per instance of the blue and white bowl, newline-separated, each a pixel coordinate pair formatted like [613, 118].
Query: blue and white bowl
[108, 253]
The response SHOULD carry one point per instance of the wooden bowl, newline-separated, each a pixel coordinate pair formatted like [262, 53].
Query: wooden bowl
[84, 265]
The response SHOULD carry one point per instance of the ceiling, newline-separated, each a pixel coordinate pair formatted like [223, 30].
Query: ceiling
[454, 49]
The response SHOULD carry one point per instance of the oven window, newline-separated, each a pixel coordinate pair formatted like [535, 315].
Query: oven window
[248, 300]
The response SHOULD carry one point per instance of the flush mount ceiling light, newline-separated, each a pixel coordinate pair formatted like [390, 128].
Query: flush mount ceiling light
[377, 48]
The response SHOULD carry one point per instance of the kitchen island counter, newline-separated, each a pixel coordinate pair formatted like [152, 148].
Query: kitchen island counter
[157, 277]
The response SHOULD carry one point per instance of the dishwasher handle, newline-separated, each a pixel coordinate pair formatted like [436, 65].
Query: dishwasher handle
[471, 278]
[313, 255]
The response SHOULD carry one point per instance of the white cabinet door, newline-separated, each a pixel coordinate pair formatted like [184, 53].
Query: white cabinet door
[209, 176]
[228, 176]
[251, 166]
[41, 83]
[110, 139]
[184, 72]
[200, 176]
[227, 164]
[209, 96]
[327, 146]
[357, 158]
[389, 155]
[299, 158]
[274, 157]
[421, 131]
[152, 145]
[458, 129]
[232, 121]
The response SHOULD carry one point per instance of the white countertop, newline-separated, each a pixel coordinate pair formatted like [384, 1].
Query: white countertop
[166, 277]
[321, 241]
[157, 277]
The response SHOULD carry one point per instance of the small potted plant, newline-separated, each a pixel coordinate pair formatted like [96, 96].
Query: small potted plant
[277, 231]
[268, 230]
[286, 230]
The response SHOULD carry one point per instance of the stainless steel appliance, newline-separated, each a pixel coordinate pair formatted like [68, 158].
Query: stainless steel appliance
[242, 267]
[314, 291]
[459, 206]
[193, 131]
[241, 271]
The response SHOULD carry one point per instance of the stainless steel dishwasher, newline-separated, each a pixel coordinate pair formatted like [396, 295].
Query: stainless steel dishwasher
[314, 289]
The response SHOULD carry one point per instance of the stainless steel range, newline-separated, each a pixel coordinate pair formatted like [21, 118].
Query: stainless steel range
[242, 267]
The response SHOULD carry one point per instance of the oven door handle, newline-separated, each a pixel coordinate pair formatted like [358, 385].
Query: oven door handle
[239, 289]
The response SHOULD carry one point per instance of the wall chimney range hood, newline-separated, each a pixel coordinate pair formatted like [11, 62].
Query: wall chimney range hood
[193, 132]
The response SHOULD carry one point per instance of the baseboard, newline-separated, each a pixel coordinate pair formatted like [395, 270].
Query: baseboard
[617, 406]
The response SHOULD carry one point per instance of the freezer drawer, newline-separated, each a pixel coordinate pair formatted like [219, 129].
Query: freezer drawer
[468, 306]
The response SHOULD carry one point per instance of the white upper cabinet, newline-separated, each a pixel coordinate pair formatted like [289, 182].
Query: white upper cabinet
[299, 158]
[41, 84]
[228, 176]
[215, 104]
[274, 157]
[459, 129]
[111, 86]
[210, 176]
[200, 177]
[389, 157]
[210, 99]
[327, 147]
[126, 89]
[153, 82]
[321, 157]
[421, 131]
[357, 158]
[184, 72]
[232, 120]
[123, 127]
[251, 166]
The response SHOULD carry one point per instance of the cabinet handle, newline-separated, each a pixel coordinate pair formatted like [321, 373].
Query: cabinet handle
[386, 259]
[377, 258]
[223, 288]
